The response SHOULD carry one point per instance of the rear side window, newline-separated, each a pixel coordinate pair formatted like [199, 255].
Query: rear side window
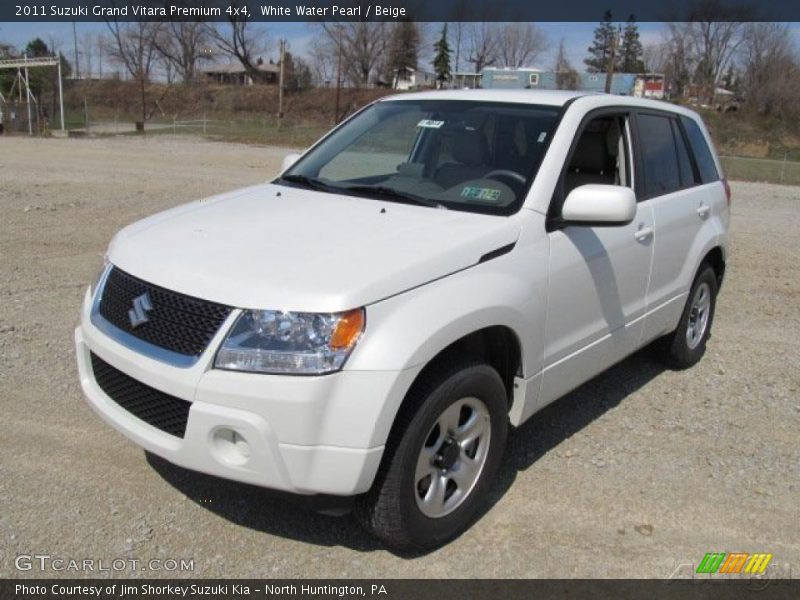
[659, 158]
[701, 151]
[684, 162]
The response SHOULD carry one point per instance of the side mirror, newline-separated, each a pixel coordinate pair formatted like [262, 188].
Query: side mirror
[289, 160]
[597, 204]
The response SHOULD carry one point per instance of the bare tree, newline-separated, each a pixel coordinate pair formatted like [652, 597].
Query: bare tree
[770, 69]
[519, 44]
[363, 47]
[132, 45]
[678, 59]
[238, 39]
[712, 35]
[183, 45]
[482, 46]
[87, 52]
[654, 57]
[322, 54]
[458, 28]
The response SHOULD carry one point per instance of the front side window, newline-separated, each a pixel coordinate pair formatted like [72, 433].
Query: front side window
[455, 154]
[600, 154]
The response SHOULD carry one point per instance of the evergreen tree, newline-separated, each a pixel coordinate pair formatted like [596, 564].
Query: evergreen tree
[6, 75]
[441, 62]
[37, 48]
[600, 50]
[403, 50]
[631, 51]
[567, 78]
[44, 81]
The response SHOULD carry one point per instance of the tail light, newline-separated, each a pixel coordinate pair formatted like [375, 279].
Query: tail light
[727, 191]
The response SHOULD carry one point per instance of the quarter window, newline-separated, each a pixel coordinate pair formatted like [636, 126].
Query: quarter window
[701, 151]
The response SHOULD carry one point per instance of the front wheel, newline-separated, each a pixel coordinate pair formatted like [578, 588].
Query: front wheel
[441, 459]
[687, 344]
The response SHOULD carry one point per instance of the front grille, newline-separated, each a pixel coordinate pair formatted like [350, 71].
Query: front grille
[176, 322]
[165, 412]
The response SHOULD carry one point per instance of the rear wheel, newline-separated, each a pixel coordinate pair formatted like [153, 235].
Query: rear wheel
[441, 459]
[686, 345]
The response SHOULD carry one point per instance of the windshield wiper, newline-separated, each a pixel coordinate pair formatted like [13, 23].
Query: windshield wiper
[390, 193]
[310, 182]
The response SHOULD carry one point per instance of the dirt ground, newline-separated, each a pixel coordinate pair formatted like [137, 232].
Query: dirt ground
[638, 472]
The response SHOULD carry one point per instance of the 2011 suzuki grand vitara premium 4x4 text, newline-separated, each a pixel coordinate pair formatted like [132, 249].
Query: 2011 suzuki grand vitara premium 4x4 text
[439, 267]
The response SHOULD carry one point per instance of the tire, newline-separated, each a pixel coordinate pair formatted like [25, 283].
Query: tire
[449, 407]
[685, 346]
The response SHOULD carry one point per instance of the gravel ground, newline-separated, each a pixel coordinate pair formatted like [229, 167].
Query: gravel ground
[632, 475]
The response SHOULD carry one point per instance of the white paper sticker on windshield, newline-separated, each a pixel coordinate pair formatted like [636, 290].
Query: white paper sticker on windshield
[542, 136]
[430, 124]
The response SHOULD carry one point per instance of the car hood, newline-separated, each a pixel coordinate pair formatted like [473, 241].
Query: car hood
[287, 248]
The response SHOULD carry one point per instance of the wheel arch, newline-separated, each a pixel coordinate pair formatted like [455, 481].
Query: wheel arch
[715, 258]
[499, 346]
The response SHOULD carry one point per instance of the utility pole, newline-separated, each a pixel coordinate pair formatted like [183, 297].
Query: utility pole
[60, 92]
[338, 74]
[28, 97]
[613, 55]
[75, 47]
[280, 81]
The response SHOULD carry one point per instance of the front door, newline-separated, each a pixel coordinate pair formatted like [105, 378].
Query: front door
[598, 275]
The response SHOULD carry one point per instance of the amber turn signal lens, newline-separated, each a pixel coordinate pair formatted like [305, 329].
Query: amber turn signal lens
[348, 329]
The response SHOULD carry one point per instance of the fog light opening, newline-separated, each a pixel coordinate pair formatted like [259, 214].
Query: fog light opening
[230, 446]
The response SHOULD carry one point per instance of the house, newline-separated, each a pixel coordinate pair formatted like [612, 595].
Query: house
[464, 80]
[650, 85]
[236, 74]
[537, 79]
[407, 79]
[512, 78]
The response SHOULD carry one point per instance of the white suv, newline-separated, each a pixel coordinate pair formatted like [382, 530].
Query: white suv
[440, 266]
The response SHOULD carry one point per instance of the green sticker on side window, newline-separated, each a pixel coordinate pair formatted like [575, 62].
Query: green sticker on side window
[480, 193]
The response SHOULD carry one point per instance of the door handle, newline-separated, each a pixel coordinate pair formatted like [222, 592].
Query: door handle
[703, 211]
[643, 233]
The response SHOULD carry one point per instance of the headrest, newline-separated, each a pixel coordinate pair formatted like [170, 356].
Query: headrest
[613, 135]
[591, 154]
[468, 148]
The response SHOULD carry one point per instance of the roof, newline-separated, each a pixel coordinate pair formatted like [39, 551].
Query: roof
[546, 97]
[542, 97]
[238, 68]
[513, 69]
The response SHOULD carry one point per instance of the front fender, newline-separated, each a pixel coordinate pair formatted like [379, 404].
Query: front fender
[410, 329]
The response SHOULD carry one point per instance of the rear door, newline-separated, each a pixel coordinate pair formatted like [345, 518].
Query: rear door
[681, 205]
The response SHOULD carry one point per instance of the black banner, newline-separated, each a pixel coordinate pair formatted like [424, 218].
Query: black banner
[397, 10]
[396, 589]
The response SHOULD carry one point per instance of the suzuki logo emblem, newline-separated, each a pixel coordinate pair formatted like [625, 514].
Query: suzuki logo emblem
[141, 306]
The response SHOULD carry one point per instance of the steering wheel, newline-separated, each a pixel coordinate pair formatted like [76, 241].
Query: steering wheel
[498, 173]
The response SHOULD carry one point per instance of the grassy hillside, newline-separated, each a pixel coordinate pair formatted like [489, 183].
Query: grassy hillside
[248, 114]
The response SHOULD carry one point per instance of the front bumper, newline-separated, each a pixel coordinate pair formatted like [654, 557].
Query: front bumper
[306, 435]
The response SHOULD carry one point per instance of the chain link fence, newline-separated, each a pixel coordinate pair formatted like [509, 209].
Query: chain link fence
[761, 169]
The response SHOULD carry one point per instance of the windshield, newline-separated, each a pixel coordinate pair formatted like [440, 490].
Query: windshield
[455, 154]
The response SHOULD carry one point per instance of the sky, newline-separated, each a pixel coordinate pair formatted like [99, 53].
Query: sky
[577, 37]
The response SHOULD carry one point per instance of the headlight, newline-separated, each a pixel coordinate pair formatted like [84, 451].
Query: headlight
[272, 341]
